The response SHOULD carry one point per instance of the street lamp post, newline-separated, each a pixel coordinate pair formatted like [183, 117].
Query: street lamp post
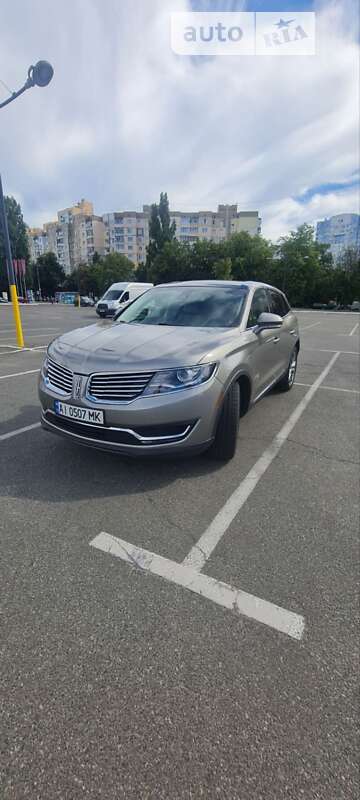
[38, 75]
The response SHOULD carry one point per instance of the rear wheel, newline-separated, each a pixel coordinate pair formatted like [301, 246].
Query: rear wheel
[224, 444]
[287, 381]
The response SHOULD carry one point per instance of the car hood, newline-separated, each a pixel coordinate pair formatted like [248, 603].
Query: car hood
[132, 346]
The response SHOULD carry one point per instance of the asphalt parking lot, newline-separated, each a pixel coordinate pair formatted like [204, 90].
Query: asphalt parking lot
[148, 675]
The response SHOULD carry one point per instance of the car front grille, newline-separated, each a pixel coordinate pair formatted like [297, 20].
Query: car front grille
[59, 377]
[118, 388]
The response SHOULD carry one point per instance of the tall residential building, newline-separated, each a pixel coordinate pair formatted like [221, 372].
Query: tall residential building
[38, 242]
[78, 233]
[74, 238]
[127, 232]
[340, 232]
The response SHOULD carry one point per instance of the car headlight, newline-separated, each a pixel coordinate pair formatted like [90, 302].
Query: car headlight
[171, 380]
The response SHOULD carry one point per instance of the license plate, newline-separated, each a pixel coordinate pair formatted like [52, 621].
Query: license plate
[89, 415]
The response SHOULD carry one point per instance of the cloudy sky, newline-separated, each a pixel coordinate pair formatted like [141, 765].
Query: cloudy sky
[125, 118]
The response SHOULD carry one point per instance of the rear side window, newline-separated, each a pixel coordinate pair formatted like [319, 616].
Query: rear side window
[259, 304]
[278, 304]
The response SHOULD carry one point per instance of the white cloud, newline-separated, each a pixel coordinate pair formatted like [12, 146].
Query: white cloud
[125, 118]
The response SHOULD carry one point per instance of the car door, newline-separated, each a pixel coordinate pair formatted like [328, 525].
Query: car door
[263, 354]
[285, 335]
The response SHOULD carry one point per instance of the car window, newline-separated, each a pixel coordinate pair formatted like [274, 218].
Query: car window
[278, 304]
[124, 297]
[112, 294]
[259, 304]
[188, 306]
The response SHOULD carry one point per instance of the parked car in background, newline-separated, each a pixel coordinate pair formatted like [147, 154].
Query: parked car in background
[117, 295]
[85, 301]
[175, 372]
[355, 305]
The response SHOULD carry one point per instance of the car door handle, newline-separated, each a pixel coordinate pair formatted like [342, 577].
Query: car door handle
[276, 339]
[293, 332]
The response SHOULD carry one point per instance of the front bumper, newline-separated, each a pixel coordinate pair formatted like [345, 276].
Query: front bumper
[183, 421]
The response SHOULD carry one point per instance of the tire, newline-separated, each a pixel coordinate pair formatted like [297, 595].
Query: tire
[287, 381]
[223, 447]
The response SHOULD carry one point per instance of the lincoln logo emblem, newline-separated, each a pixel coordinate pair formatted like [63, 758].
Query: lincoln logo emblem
[77, 387]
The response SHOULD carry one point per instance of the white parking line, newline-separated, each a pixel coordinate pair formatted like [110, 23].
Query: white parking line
[188, 573]
[25, 350]
[31, 336]
[309, 326]
[354, 329]
[322, 350]
[203, 549]
[220, 593]
[332, 388]
[17, 432]
[29, 330]
[17, 374]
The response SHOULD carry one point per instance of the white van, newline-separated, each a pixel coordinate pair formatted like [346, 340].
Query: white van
[117, 295]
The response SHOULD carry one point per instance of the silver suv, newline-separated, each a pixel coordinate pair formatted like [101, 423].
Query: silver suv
[174, 372]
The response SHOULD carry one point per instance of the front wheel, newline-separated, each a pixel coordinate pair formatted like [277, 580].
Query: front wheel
[224, 445]
[287, 381]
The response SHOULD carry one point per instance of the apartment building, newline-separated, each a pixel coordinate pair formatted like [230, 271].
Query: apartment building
[38, 243]
[127, 232]
[78, 233]
[340, 231]
[74, 237]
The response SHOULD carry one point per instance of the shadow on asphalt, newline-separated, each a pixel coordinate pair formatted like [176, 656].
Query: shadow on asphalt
[43, 466]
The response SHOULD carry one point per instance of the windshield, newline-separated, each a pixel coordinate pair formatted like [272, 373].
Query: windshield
[112, 294]
[188, 306]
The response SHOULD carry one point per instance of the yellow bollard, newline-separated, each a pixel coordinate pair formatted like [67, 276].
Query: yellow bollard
[16, 313]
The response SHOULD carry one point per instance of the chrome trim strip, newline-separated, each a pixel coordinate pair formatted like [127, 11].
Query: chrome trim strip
[142, 394]
[111, 444]
[124, 430]
[267, 389]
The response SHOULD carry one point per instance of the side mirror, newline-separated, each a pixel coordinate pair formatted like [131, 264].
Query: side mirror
[267, 321]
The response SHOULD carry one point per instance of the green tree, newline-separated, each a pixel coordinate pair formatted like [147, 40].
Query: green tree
[172, 263]
[18, 238]
[160, 229]
[251, 257]
[51, 274]
[301, 266]
[222, 269]
[114, 268]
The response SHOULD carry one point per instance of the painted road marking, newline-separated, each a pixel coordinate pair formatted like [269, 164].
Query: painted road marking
[321, 350]
[220, 593]
[10, 434]
[325, 313]
[309, 326]
[203, 549]
[17, 374]
[29, 330]
[354, 329]
[331, 388]
[25, 350]
[188, 574]
[30, 335]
